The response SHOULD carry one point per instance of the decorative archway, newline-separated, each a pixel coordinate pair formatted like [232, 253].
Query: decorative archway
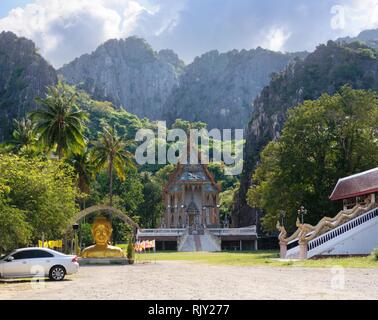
[114, 211]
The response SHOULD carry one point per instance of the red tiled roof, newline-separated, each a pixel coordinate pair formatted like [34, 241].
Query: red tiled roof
[356, 185]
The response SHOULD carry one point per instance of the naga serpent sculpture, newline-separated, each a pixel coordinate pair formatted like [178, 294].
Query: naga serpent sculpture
[307, 232]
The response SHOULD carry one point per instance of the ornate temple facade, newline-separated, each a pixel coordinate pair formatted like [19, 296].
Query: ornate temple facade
[191, 221]
[191, 199]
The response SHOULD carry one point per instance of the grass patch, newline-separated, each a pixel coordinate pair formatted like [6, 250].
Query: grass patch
[348, 262]
[260, 258]
[123, 246]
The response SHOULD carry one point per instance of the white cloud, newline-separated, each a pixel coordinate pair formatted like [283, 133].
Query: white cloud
[65, 29]
[354, 16]
[275, 39]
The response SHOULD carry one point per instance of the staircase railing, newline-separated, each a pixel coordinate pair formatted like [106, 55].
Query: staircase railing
[307, 232]
[342, 229]
[327, 229]
[216, 239]
[181, 240]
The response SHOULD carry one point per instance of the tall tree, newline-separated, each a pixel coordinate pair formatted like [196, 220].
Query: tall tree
[151, 208]
[322, 141]
[109, 152]
[60, 122]
[84, 168]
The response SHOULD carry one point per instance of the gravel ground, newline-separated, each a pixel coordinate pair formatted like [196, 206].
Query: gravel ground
[170, 280]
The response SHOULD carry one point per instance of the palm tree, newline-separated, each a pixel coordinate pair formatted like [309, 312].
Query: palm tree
[60, 122]
[110, 152]
[23, 134]
[84, 168]
[85, 171]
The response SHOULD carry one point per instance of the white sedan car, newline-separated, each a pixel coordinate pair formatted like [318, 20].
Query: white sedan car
[38, 262]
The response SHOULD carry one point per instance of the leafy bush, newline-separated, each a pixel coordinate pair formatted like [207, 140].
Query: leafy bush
[86, 234]
[14, 230]
[375, 254]
[40, 198]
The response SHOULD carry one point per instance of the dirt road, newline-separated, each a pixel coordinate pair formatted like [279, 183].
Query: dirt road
[186, 280]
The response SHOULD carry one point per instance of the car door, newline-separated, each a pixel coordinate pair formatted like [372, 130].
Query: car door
[19, 266]
[40, 263]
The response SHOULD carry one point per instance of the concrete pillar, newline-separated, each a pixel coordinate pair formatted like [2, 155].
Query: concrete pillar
[256, 245]
[202, 211]
[345, 207]
[241, 245]
[175, 211]
[303, 250]
[216, 202]
[183, 209]
[283, 249]
[167, 222]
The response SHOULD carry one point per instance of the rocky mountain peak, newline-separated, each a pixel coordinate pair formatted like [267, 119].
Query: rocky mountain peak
[24, 75]
[127, 72]
[172, 58]
[219, 88]
[368, 37]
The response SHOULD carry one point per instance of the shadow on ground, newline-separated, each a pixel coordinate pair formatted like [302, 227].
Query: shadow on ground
[14, 281]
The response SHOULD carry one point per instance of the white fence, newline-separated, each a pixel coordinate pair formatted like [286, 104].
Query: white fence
[161, 232]
[251, 231]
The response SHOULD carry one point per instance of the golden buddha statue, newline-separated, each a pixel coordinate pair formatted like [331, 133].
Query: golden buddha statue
[101, 232]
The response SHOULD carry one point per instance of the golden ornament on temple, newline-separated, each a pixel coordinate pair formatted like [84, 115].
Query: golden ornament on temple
[101, 232]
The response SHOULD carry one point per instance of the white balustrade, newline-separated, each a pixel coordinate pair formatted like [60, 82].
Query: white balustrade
[233, 231]
[161, 232]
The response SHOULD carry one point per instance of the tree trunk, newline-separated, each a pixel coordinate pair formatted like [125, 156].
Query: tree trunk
[111, 182]
[60, 152]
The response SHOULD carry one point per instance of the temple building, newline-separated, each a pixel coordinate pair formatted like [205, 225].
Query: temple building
[191, 220]
[191, 199]
[361, 188]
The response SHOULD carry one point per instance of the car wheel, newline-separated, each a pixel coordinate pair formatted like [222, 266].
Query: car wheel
[57, 273]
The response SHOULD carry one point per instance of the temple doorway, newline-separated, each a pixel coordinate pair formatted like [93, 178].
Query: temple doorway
[193, 215]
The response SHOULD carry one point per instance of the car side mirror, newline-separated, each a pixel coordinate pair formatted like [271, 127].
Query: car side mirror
[9, 259]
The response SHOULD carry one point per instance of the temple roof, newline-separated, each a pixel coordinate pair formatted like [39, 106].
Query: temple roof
[186, 172]
[356, 185]
[191, 173]
[193, 176]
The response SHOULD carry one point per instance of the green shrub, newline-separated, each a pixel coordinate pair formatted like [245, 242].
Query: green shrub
[375, 254]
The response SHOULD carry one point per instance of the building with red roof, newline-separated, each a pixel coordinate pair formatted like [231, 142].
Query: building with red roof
[357, 189]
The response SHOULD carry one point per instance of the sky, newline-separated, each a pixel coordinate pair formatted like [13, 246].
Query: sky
[66, 29]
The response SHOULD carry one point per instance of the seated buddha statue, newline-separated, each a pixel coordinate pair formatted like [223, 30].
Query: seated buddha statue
[101, 232]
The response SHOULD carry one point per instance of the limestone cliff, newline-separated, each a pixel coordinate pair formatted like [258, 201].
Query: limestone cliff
[219, 88]
[324, 71]
[128, 73]
[24, 75]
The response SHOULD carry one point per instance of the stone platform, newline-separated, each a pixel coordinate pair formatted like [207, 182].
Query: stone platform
[102, 261]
